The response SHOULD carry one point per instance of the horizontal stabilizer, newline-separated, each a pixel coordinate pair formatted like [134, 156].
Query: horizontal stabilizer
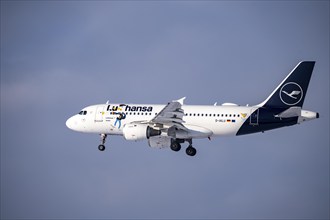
[290, 112]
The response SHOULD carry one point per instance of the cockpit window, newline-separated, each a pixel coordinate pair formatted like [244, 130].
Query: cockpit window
[83, 113]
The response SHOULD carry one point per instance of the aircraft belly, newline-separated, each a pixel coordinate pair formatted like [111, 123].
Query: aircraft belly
[193, 132]
[219, 127]
[227, 128]
[104, 127]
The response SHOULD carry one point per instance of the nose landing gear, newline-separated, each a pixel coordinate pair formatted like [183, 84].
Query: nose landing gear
[101, 147]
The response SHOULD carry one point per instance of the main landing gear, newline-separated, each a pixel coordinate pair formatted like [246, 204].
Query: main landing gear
[191, 151]
[101, 147]
[176, 146]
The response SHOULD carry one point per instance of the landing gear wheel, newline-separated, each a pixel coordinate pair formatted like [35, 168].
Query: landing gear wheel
[191, 151]
[175, 146]
[101, 147]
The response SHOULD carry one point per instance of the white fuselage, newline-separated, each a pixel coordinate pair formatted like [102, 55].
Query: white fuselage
[220, 120]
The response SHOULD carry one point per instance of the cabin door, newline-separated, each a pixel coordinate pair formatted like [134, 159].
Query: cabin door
[99, 114]
[254, 117]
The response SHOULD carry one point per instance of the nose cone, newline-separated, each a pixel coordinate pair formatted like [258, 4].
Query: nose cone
[70, 123]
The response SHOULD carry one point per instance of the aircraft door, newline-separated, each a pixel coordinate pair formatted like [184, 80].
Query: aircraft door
[254, 117]
[99, 114]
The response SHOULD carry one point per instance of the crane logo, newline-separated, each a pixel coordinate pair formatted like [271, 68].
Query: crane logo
[291, 93]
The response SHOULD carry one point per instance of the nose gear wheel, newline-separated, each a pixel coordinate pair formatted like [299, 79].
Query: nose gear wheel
[101, 147]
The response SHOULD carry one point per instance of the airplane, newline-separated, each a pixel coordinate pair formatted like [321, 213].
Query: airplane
[170, 125]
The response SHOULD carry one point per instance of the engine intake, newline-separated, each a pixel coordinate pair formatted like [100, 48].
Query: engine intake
[135, 132]
[152, 132]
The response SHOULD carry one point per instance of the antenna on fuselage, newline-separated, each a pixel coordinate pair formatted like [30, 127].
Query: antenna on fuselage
[107, 102]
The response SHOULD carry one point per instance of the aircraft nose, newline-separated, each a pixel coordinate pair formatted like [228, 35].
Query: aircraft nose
[70, 123]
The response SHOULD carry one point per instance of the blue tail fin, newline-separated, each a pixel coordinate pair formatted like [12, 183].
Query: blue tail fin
[292, 91]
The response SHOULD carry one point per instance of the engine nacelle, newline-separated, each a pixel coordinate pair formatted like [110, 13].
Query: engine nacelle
[135, 132]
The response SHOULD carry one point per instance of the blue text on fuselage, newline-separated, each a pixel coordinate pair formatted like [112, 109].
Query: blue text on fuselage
[129, 108]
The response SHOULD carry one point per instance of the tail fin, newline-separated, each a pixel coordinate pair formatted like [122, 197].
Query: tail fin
[292, 90]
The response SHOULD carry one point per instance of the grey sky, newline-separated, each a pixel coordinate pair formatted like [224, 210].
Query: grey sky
[58, 57]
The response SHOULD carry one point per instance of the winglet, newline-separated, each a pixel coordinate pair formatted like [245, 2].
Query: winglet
[180, 100]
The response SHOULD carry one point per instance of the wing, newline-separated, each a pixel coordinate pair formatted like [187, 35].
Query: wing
[170, 115]
[170, 121]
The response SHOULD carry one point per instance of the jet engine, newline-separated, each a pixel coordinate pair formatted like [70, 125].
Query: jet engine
[135, 132]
